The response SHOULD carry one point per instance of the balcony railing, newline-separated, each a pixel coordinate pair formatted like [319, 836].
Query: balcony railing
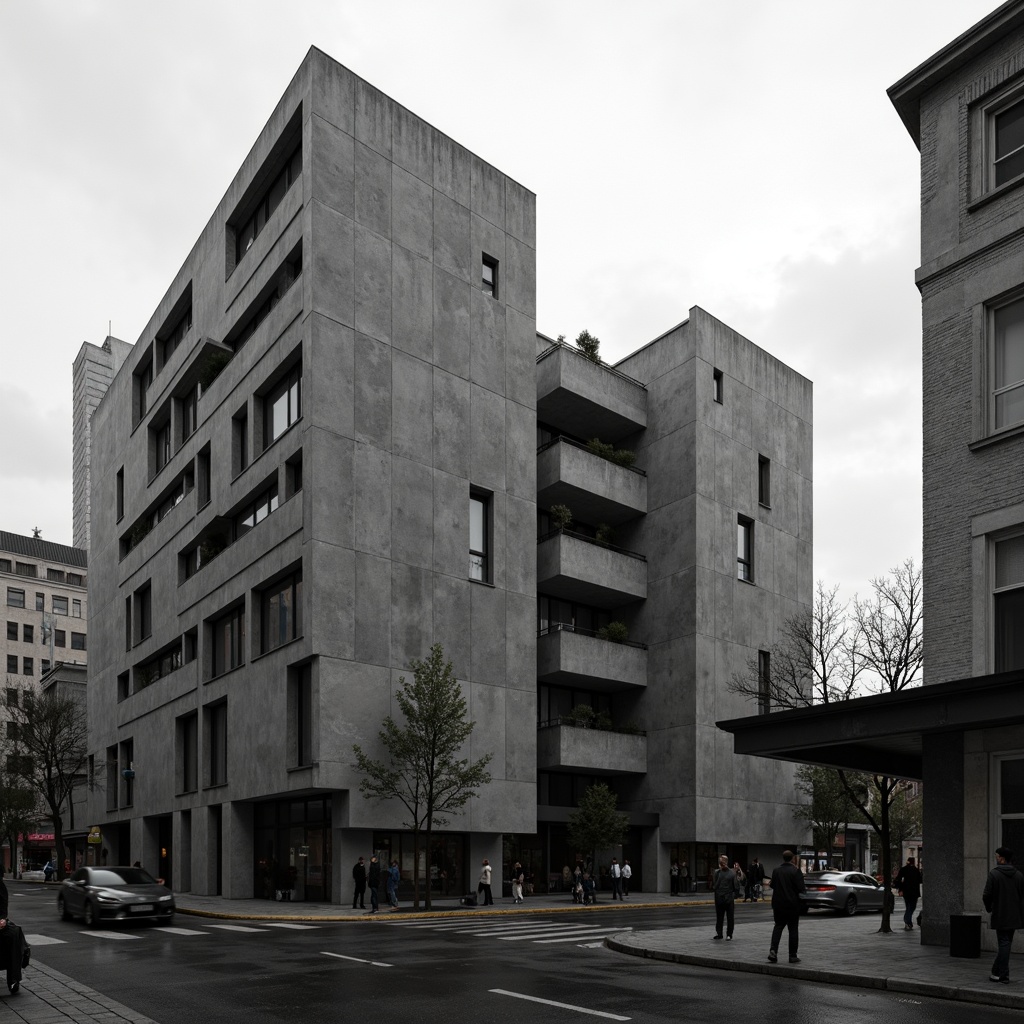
[562, 439]
[568, 627]
[590, 540]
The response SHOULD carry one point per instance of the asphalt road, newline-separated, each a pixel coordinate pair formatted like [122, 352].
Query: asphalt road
[478, 967]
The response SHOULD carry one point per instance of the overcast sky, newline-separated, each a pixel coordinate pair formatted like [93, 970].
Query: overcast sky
[741, 156]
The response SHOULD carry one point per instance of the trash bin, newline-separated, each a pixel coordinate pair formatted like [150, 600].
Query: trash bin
[965, 935]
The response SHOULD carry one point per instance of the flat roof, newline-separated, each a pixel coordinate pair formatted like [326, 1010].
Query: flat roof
[882, 733]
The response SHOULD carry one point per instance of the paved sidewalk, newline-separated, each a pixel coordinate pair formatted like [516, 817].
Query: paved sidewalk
[839, 951]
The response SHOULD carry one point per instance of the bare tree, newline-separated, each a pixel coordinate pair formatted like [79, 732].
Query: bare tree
[889, 641]
[814, 660]
[828, 807]
[51, 754]
[423, 770]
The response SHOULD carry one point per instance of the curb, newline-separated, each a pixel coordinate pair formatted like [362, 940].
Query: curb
[988, 997]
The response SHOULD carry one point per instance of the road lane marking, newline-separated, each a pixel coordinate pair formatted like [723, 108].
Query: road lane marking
[563, 1006]
[288, 924]
[43, 940]
[540, 936]
[573, 938]
[236, 928]
[357, 959]
[174, 930]
[118, 936]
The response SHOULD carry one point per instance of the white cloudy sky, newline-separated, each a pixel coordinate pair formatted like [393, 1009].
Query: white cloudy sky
[740, 155]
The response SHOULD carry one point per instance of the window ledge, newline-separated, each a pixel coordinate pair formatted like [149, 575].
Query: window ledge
[215, 785]
[764, 504]
[1006, 434]
[749, 583]
[302, 767]
[279, 647]
[226, 672]
[996, 193]
[481, 583]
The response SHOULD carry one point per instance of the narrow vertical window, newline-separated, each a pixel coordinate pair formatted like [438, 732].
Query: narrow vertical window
[188, 752]
[1008, 604]
[301, 715]
[489, 274]
[745, 549]
[764, 682]
[764, 481]
[479, 555]
[217, 727]
[1008, 382]
[240, 440]
[718, 386]
[120, 494]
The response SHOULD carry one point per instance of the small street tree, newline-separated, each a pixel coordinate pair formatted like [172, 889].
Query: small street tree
[597, 824]
[18, 813]
[422, 768]
[828, 807]
[51, 759]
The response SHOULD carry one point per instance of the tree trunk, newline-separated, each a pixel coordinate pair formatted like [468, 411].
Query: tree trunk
[416, 868]
[886, 856]
[426, 900]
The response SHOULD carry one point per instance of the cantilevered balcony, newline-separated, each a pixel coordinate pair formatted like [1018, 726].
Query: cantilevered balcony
[597, 490]
[570, 656]
[587, 399]
[569, 748]
[577, 568]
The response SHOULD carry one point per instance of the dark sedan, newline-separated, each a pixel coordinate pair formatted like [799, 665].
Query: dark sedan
[114, 894]
[845, 892]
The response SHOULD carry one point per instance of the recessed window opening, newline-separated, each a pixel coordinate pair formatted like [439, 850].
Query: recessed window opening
[718, 385]
[764, 481]
[1008, 359]
[1008, 141]
[250, 229]
[745, 549]
[489, 275]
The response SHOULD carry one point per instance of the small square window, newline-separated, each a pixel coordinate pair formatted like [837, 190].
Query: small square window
[60, 605]
[12, 631]
[12, 664]
[15, 598]
[489, 276]
[59, 638]
[28, 633]
[718, 386]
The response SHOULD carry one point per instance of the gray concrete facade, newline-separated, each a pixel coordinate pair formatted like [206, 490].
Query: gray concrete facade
[355, 312]
[972, 254]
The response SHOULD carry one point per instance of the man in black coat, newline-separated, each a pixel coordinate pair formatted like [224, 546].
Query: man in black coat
[1004, 900]
[755, 876]
[359, 877]
[12, 942]
[908, 883]
[374, 879]
[787, 884]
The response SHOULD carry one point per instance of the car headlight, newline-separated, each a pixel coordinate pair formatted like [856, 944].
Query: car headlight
[106, 897]
[165, 899]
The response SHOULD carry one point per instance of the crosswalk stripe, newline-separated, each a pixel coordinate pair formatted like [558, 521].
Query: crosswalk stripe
[289, 924]
[116, 936]
[43, 940]
[576, 938]
[236, 928]
[173, 930]
[540, 936]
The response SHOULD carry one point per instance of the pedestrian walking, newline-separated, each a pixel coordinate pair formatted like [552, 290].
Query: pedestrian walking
[787, 884]
[755, 876]
[373, 881]
[359, 878]
[627, 874]
[483, 887]
[616, 873]
[685, 876]
[673, 878]
[394, 877]
[908, 884]
[1004, 900]
[517, 882]
[48, 870]
[726, 886]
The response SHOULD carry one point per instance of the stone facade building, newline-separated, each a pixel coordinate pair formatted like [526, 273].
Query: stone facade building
[338, 441]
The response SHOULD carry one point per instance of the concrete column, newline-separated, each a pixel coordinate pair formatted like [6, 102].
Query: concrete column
[145, 845]
[236, 846]
[943, 891]
[181, 850]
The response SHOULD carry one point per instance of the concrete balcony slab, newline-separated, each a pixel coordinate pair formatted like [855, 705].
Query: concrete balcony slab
[570, 658]
[576, 569]
[595, 751]
[597, 491]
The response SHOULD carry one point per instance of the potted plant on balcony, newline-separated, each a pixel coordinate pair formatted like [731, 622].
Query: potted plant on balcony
[561, 516]
[582, 716]
[616, 632]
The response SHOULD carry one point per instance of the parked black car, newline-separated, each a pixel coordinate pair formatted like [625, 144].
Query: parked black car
[114, 894]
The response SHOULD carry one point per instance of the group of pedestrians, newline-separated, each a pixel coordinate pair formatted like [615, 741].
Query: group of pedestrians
[368, 876]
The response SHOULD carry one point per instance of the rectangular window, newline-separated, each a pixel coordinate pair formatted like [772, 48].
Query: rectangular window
[12, 664]
[188, 753]
[282, 407]
[1009, 604]
[162, 442]
[1009, 788]
[15, 598]
[250, 229]
[489, 275]
[177, 335]
[228, 642]
[59, 638]
[1006, 143]
[745, 549]
[75, 580]
[293, 475]
[1007, 379]
[217, 730]
[5, 565]
[142, 382]
[479, 537]
[764, 680]
[28, 634]
[12, 731]
[143, 613]
[203, 477]
[29, 569]
[764, 481]
[76, 608]
[256, 512]
[40, 601]
[12, 697]
[44, 666]
[189, 414]
[120, 494]
[55, 575]
[718, 386]
[12, 631]
[60, 605]
[281, 613]
[27, 667]
[240, 439]
[78, 641]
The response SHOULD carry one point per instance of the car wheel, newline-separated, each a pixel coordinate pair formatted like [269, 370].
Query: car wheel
[92, 919]
[850, 906]
[62, 909]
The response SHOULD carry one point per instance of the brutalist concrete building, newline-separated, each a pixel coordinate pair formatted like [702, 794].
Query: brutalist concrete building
[338, 441]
